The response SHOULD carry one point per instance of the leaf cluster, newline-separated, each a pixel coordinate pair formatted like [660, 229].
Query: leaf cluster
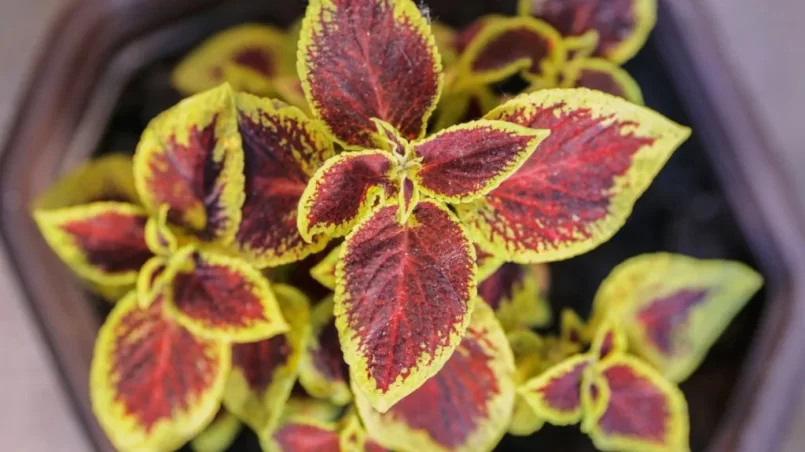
[361, 265]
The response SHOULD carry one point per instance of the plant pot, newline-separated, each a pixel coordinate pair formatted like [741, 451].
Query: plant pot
[104, 74]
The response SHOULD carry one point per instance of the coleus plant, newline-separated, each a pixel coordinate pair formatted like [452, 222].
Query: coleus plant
[672, 308]
[253, 58]
[230, 186]
[493, 48]
[622, 27]
[655, 318]
[193, 250]
[465, 406]
[528, 182]
[558, 382]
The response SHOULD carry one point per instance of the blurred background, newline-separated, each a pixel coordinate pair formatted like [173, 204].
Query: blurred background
[761, 41]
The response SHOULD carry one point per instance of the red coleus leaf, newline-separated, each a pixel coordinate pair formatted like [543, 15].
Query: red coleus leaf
[533, 355]
[641, 411]
[510, 45]
[517, 294]
[403, 298]
[103, 242]
[624, 404]
[105, 179]
[219, 435]
[343, 191]
[465, 406]
[622, 25]
[322, 371]
[364, 59]
[579, 187]
[601, 75]
[217, 296]
[555, 395]
[467, 161]
[469, 33]
[674, 307]
[248, 57]
[304, 436]
[282, 149]
[153, 384]
[264, 372]
[190, 158]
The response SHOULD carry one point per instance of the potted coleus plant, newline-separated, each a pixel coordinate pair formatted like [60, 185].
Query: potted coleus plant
[433, 244]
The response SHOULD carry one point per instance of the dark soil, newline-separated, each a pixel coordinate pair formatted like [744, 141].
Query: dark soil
[684, 211]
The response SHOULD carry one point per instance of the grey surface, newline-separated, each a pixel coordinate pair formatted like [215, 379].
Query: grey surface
[36, 415]
[762, 40]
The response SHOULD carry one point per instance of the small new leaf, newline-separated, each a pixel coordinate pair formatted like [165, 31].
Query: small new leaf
[343, 191]
[555, 395]
[508, 46]
[601, 75]
[303, 407]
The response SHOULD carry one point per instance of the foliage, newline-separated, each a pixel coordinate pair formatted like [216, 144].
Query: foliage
[433, 244]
